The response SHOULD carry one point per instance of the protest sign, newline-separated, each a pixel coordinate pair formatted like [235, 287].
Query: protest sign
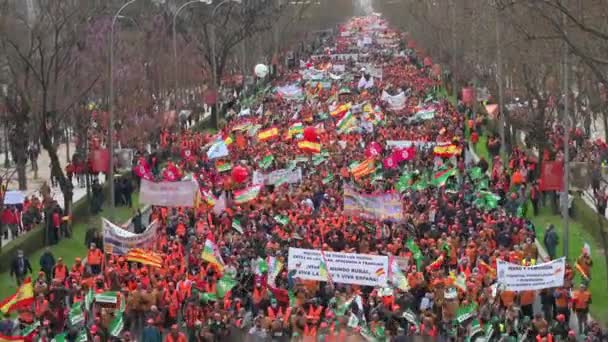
[118, 241]
[378, 207]
[345, 268]
[513, 277]
[395, 102]
[278, 177]
[168, 194]
[408, 143]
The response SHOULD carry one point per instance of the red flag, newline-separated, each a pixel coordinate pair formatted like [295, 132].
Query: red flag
[373, 149]
[404, 154]
[171, 173]
[390, 163]
[552, 176]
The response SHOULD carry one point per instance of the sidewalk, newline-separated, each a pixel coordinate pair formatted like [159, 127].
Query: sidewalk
[44, 175]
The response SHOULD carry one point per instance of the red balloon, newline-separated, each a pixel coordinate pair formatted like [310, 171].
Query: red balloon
[239, 174]
[310, 134]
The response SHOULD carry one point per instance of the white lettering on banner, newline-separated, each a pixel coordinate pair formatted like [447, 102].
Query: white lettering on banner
[344, 268]
[118, 241]
[278, 177]
[168, 194]
[408, 143]
[513, 277]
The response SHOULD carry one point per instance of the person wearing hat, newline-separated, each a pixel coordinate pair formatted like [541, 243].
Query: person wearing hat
[60, 271]
[94, 258]
[581, 299]
[151, 333]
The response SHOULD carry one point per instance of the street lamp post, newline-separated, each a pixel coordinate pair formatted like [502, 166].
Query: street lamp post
[206, 2]
[110, 179]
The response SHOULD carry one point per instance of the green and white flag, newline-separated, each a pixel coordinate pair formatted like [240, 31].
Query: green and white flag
[411, 317]
[28, 330]
[236, 225]
[353, 321]
[282, 220]
[88, 299]
[266, 162]
[466, 312]
[116, 326]
[261, 266]
[82, 336]
[318, 160]
[109, 297]
[76, 315]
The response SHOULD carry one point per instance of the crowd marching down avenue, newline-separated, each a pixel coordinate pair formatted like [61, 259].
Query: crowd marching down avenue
[341, 201]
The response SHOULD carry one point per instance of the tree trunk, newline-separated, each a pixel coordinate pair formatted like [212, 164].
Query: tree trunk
[19, 143]
[605, 122]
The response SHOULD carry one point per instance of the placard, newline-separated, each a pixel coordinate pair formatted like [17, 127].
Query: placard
[278, 177]
[118, 241]
[378, 207]
[513, 277]
[168, 194]
[344, 268]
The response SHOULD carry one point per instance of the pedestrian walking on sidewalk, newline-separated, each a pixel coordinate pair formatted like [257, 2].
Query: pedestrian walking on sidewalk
[20, 267]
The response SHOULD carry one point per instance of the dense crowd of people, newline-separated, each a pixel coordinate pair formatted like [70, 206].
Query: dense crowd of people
[336, 118]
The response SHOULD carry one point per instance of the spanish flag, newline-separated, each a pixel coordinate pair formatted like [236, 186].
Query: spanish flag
[5, 338]
[268, 134]
[309, 146]
[23, 298]
[145, 257]
[447, 151]
[340, 111]
[363, 169]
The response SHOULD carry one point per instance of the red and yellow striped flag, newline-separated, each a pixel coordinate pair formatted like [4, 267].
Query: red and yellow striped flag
[365, 168]
[23, 298]
[145, 257]
[268, 134]
[447, 151]
[309, 146]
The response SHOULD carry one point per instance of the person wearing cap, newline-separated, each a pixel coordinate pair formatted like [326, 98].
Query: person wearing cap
[94, 259]
[559, 328]
[581, 299]
[151, 333]
[60, 271]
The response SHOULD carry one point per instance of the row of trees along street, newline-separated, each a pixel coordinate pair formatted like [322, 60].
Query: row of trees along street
[54, 63]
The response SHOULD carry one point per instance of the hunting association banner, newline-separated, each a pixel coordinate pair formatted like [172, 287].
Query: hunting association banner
[119, 241]
[345, 268]
[377, 207]
[515, 277]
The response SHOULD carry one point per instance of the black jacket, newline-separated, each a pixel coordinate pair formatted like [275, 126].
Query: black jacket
[18, 271]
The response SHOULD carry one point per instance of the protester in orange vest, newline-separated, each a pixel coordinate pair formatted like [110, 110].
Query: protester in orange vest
[60, 271]
[94, 259]
[175, 335]
[581, 299]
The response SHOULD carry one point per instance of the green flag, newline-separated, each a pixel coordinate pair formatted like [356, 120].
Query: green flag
[328, 179]
[82, 336]
[60, 338]
[487, 200]
[225, 284]
[266, 162]
[465, 312]
[475, 173]
[116, 325]
[416, 252]
[208, 297]
[88, 299]
[282, 220]
[236, 225]
[441, 177]
[76, 315]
